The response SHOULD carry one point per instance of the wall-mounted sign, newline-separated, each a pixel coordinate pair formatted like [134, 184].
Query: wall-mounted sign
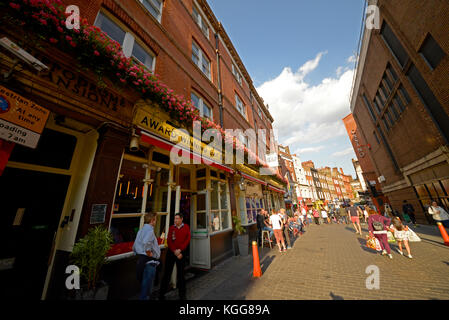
[272, 160]
[98, 213]
[359, 149]
[21, 120]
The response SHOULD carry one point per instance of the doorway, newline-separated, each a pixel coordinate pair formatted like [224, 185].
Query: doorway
[31, 205]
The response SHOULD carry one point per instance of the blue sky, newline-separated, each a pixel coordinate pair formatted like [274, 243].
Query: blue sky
[298, 55]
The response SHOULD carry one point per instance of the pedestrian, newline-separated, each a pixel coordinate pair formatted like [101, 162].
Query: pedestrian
[388, 212]
[178, 239]
[148, 252]
[324, 216]
[309, 216]
[402, 235]
[342, 213]
[276, 224]
[354, 217]
[377, 226]
[408, 209]
[439, 214]
[266, 223]
[260, 224]
[284, 217]
[316, 216]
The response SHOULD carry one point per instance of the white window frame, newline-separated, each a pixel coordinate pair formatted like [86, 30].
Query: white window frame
[223, 187]
[238, 103]
[237, 74]
[203, 105]
[152, 4]
[201, 58]
[128, 41]
[201, 21]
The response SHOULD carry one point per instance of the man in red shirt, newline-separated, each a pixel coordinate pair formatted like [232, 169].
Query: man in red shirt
[178, 238]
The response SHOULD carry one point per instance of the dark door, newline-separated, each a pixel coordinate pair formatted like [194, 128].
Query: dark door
[26, 242]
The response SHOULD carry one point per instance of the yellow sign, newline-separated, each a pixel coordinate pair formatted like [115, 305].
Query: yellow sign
[22, 112]
[152, 119]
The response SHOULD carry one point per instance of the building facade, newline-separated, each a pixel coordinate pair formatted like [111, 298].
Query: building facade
[400, 102]
[104, 146]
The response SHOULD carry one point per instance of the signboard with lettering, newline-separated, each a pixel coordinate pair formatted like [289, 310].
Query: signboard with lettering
[152, 119]
[98, 213]
[21, 120]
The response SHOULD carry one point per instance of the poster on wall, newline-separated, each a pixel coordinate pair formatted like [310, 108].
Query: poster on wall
[98, 213]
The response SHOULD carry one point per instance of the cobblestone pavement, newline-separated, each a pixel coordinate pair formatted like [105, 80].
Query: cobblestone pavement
[329, 262]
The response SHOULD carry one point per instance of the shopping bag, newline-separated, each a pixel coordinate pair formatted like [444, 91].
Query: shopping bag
[390, 237]
[370, 243]
[413, 237]
[378, 247]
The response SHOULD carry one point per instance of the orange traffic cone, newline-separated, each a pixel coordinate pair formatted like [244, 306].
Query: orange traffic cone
[257, 272]
[443, 233]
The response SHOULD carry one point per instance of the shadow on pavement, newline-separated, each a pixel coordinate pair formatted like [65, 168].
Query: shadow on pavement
[334, 297]
[265, 263]
[445, 262]
[364, 247]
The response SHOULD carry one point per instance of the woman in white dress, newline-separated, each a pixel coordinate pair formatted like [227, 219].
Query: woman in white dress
[402, 235]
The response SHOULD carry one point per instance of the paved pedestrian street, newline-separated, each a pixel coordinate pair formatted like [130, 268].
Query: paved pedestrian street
[329, 262]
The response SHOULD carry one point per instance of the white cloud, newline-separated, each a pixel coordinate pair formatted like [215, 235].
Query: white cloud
[345, 152]
[311, 149]
[351, 59]
[305, 113]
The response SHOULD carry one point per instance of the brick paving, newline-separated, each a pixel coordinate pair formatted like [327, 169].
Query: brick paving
[329, 262]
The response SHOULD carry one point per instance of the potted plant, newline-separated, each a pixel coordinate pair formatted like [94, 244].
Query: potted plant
[242, 238]
[89, 255]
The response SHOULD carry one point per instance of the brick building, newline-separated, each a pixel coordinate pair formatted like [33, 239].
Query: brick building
[400, 102]
[105, 149]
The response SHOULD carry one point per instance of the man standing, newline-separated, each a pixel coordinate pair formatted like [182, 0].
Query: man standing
[439, 214]
[353, 215]
[260, 224]
[276, 223]
[178, 239]
[324, 215]
[148, 252]
[408, 209]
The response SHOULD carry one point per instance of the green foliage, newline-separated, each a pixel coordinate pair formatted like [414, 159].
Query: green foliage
[89, 254]
[238, 225]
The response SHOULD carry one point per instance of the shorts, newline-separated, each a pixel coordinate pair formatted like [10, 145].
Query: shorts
[278, 235]
[355, 219]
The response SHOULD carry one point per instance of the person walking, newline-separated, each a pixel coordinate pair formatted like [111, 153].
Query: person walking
[324, 216]
[353, 216]
[260, 224]
[316, 216]
[284, 217]
[402, 235]
[309, 216]
[377, 226]
[408, 209]
[342, 212]
[148, 252]
[439, 214]
[178, 239]
[277, 225]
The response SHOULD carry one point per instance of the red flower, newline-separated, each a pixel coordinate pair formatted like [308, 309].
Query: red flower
[73, 44]
[53, 40]
[96, 53]
[14, 5]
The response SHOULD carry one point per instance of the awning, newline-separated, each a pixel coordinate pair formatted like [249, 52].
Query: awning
[161, 143]
[275, 189]
[252, 178]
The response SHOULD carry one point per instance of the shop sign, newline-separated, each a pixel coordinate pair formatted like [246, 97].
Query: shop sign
[152, 119]
[98, 213]
[272, 160]
[21, 120]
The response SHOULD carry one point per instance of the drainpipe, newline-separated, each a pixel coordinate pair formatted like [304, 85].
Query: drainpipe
[220, 96]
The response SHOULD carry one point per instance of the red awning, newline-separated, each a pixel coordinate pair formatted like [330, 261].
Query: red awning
[275, 189]
[161, 143]
[253, 179]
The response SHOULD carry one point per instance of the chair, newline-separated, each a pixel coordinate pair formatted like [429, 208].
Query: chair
[266, 237]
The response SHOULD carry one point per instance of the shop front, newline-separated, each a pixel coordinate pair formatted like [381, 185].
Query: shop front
[52, 124]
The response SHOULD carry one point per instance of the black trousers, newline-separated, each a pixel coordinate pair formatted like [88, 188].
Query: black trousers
[412, 217]
[170, 261]
[259, 236]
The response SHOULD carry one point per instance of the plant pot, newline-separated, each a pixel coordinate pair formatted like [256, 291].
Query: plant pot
[100, 292]
[243, 244]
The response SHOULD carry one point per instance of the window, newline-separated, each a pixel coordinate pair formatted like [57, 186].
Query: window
[380, 99]
[394, 111]
[236, 74]
[260, 112]
[130, 47]
[370, 109]
[202, 22]
[220, 209]
[200, 59]
[376, 106]
[394, 44]
[391, 73]
[431, 52]
[240, 107]
[203, 108]
[387, 126]
[398, 103]
[439, 116]
[404, 94]
[154, 7]
[387, 82]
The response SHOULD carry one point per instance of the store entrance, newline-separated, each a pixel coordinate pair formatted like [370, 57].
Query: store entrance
[31, 205]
